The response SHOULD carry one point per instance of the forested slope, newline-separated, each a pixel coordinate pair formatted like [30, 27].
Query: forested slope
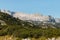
[24, 29]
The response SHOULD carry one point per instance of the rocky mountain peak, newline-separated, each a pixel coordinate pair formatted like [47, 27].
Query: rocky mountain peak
[32, 17]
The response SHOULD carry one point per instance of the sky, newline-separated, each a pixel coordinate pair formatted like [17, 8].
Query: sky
[45, 7]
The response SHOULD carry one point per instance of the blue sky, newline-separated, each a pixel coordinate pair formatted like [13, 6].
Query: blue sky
[45, 7]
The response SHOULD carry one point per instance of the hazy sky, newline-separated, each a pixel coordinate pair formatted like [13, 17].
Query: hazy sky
[45, 7]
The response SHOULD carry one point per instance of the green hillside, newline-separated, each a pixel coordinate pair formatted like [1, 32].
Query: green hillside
[23, 29]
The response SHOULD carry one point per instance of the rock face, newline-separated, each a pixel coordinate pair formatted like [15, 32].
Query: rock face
[33, 17]
[57, 20]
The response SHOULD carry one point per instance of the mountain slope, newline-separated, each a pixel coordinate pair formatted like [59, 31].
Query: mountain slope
[23, 29]
[32, 17]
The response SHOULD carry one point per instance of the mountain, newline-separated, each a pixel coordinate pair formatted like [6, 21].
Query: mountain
[17, 18]
[32, 17]
[26, 28]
